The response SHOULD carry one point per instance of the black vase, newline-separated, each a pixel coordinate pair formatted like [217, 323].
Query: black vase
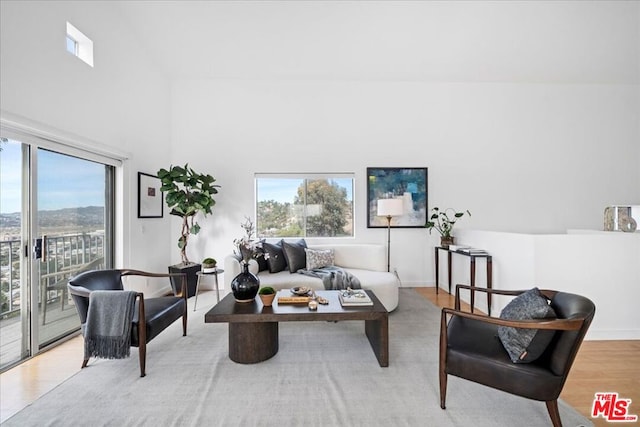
[245, 285]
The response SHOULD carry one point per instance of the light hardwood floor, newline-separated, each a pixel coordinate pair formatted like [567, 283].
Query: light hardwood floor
[601, 366]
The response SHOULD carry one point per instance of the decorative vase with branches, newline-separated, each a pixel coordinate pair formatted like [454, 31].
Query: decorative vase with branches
[246, 284]
[186, 194]
[247, 246]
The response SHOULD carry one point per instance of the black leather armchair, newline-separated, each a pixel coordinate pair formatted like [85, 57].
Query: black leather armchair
[470, 349]
[151, 315]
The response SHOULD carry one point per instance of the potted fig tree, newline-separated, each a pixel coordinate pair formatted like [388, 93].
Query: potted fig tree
[187, 193]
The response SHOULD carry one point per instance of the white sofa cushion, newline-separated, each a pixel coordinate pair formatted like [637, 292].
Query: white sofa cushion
[360, 256]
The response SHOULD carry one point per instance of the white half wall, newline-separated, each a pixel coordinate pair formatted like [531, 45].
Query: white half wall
[602, 266]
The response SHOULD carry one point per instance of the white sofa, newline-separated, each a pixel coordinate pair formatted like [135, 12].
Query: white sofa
[367, 262]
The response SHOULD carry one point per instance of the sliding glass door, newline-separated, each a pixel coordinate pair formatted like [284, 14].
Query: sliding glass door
[70, 233]
[14, 272]
[56, 218]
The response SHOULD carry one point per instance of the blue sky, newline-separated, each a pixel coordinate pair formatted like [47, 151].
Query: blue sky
[284, 190]
[63, 181]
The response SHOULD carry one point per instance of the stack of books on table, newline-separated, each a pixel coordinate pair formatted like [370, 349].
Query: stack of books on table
[472, 251]
[354, 298]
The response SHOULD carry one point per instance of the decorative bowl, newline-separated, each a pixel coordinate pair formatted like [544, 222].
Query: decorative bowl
[301, 291]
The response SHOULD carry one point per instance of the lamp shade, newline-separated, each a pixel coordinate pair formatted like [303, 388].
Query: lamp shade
[390, 207]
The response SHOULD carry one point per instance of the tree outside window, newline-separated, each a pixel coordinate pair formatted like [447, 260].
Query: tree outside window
[304, 207]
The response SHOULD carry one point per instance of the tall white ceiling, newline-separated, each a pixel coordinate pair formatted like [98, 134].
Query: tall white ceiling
[501, 41]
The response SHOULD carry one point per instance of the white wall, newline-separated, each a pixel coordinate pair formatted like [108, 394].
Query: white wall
[536, 144]
[122, 102]
[526, 115]
[521, 157]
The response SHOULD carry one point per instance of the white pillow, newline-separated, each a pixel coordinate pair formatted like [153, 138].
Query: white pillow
[319, 258]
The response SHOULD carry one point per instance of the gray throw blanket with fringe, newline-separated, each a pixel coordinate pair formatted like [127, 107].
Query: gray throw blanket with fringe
[107, 332]
[333, 278]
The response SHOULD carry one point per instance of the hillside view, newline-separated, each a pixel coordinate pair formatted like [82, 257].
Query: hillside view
[56, 221]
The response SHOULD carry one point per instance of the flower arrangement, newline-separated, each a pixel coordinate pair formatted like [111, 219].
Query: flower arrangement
[442, 222]
[247, 246]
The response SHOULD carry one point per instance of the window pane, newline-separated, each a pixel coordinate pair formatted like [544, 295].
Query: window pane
[12, 302]
[328, 210]
[71, 214]
[72, 46]
[276, 215]
[304, 207]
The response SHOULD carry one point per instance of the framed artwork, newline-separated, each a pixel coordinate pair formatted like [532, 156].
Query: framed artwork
[408, 185]
[150, 198]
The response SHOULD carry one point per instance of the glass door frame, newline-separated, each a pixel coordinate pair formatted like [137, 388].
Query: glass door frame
[31, 139]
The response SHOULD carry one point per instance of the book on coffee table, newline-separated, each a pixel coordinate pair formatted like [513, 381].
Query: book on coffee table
[293, 300]
[354, 298]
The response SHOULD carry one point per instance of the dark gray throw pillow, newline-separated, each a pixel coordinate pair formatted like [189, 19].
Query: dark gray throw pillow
[526, 345]
[275, 260]
[295, 255]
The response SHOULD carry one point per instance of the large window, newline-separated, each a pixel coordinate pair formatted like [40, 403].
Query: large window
[313, 205]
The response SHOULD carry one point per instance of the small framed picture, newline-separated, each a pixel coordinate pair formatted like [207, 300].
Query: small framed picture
[150, 198]
[401, 191]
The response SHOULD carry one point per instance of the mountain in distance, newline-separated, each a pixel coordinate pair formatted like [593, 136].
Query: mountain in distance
[89, 215]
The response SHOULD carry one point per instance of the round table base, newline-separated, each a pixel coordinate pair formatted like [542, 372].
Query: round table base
[252, 342]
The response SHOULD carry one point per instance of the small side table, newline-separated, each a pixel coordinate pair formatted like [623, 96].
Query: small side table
[472, 257]
[215, 275]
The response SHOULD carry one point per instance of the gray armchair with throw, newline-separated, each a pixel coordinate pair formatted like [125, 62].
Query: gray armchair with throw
[149, 316]
[476, 347]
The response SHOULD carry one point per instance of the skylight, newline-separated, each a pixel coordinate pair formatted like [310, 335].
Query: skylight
[79, 45]
[72, 46]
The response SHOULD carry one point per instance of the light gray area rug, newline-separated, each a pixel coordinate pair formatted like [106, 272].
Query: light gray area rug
[325, 374]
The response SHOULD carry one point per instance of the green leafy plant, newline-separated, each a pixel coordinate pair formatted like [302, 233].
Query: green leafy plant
[443, 220]
[187, 193]
[209, 261]
[267, 290]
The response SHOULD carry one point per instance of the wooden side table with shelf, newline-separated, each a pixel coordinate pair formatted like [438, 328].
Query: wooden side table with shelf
[472, 256]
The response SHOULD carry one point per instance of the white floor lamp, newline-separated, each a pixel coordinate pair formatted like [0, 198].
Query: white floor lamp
[390, 208]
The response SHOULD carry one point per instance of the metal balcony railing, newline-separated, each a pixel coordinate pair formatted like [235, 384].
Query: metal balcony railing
[66, 256]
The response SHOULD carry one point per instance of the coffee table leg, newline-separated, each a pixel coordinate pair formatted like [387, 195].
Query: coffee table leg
[252, 342]
[378, 333]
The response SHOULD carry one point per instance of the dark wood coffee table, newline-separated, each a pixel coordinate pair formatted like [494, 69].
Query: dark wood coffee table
[253, 328]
